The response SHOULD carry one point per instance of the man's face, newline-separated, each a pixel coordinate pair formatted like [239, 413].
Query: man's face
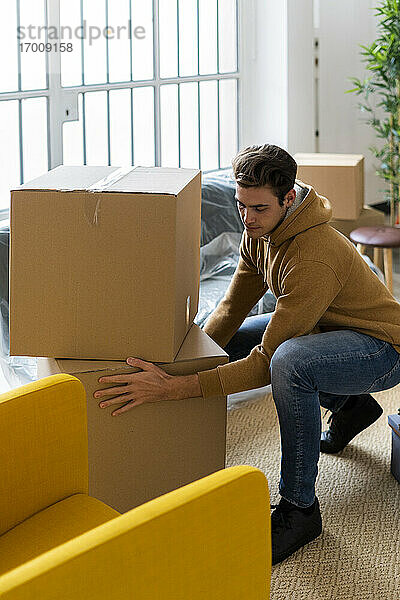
[260, 210]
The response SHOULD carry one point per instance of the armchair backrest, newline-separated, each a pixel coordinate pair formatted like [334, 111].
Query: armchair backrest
[43, 446]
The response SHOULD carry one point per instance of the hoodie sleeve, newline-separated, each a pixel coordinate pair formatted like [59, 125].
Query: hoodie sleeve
[245, 290]
[307, 290]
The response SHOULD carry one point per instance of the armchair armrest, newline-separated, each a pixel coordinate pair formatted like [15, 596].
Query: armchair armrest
[209, 539]
[43, 446]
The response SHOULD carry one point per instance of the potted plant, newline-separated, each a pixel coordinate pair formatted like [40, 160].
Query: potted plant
[382, 60]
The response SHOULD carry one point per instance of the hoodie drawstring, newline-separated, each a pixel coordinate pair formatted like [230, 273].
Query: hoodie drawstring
[266, 260]
[259, 268]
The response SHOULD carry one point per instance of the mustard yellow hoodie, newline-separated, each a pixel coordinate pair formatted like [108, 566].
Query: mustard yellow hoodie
[321, 284]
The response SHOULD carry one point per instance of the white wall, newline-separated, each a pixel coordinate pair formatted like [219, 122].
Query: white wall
[263, 65]
[276, 71]
[301, 96]
[344, 24]
[278, 88]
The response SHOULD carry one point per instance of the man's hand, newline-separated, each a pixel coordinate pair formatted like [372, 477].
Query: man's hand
[152, 384]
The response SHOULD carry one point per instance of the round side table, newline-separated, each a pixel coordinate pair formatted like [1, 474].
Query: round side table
[385, 237]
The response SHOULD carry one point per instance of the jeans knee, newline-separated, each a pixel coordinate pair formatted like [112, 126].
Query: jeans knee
[286, 358]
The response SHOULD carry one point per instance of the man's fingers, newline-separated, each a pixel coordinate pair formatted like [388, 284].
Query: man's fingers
[110, 391]
[127, 407]
[142, 364]
[111, 401]
[127, 378]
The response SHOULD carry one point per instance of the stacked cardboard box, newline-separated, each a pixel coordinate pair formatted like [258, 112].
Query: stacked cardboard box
[155, 447]
[338, 177]
[109, 260]
[104, 264]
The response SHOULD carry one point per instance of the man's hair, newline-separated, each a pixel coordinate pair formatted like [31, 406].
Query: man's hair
[267, 165]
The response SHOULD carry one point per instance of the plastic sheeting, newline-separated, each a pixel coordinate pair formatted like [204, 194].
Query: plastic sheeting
[218, 261]
[218, 205]
[17, 370]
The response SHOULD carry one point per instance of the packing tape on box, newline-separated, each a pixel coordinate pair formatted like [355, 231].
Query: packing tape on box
[102, 185]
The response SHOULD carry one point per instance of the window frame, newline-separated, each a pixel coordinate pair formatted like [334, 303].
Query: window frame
[62, 102]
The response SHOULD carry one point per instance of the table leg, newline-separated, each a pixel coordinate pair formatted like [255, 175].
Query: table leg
[388, 264]
[361, 248]
[378, 257]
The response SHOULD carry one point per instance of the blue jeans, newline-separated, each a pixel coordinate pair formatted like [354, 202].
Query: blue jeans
[306, 372]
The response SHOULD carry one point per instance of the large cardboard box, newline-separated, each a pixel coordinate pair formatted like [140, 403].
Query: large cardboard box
[156, 447]
[338, 177]
[368, 217]
[104, 262]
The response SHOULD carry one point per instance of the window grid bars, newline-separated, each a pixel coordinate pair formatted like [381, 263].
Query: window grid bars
[156, 75]
[82, 47]
[108, 129]
[48, 121]
[21, 153]
[198, 83]
[179, 124]
[84, 129]
[108, 91]
[18, 46]
[49, 144]
[131, 75]
[107, 47]
[21, 150]
[219, 124]
[132, 131]
[179, 86]
[156, 83]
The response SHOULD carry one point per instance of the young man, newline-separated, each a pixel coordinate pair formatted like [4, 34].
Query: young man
[333, 338]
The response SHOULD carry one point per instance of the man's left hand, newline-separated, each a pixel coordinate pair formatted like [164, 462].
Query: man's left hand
[152, 384]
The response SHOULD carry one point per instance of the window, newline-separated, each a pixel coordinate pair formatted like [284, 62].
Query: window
[117, 82]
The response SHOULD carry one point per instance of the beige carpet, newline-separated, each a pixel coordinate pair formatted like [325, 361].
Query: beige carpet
[357, 557]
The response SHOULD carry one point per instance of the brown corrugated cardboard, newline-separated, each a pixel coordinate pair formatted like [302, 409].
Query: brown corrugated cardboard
[104, 262]
[368, 217]
[156, 447]
[338, 177]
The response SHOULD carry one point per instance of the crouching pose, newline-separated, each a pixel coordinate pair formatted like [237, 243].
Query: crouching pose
[333, 339]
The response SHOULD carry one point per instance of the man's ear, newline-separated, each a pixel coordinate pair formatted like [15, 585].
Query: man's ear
[290, 197]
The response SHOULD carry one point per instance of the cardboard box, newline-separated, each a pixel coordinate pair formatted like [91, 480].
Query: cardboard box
[338, 177]
[369, 217]
[105, 262]
[394, 423]
[155, 447]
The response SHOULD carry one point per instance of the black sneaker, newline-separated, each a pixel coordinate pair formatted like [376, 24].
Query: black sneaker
[292, 528]
[357, 414]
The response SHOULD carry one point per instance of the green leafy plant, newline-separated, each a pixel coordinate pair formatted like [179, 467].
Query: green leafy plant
[382, 60]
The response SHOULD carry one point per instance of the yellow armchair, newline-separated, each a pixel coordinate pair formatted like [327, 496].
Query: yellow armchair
[209, 539]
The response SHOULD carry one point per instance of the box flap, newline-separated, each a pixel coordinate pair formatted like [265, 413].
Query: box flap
[323, 159]
[197, 345]
[130, 179]
[67, 178]
[154, 180]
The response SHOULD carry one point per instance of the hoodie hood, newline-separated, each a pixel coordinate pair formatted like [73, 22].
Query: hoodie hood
[313, 210]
